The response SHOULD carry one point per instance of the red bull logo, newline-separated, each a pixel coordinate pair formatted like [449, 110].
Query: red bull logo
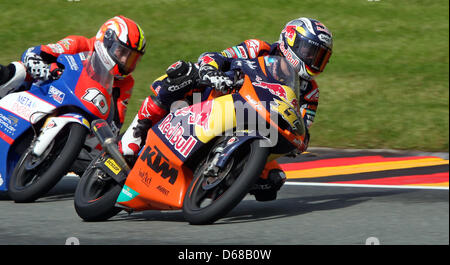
[174, 134]
[289, 32]
[198, 113]
[289, 56]
[206, 59]
[275, 89]
[175, 65]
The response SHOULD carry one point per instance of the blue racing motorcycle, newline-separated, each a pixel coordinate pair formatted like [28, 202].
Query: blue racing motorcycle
[44, 130]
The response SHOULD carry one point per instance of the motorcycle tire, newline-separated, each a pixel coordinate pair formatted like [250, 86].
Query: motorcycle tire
[34, 176]
[96, 194]
[248, 164]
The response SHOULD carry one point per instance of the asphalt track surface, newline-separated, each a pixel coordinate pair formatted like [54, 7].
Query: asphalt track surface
[303, 214]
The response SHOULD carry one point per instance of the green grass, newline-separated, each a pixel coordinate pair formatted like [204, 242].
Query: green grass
[386, 86]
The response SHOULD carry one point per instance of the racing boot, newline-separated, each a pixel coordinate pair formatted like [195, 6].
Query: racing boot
[12, 77]
[270, 181]
[134, 137]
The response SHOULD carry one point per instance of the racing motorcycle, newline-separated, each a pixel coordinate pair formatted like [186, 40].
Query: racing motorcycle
[202, 158]
[44, 131]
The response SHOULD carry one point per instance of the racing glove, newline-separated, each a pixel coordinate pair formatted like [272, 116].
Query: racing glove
[182, 76]
[215, 78]
[36, 67]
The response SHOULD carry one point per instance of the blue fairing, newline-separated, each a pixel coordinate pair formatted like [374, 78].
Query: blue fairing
[54, 95]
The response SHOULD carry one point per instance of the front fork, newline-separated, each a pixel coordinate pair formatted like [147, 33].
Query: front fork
[52, 127]
[223, 152]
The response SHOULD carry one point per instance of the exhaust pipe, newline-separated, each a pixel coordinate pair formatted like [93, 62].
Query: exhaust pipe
[107, 139]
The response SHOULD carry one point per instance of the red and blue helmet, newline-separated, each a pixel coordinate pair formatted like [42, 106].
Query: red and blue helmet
[307, 45]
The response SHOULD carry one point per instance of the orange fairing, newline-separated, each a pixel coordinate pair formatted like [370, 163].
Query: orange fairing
[158, 177]
[262, 65]
[247, 91]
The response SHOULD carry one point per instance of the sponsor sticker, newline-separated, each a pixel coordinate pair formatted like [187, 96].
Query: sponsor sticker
[82, 56]
[255, 103]
[251, 64]
[66, 43]
[289, 33]
[175, 66]
[231, 52]
[159, 164]
[56, 94]
[8, 123]
[198, 113]
[56, 48]
[242, 52]
[325, 38]
[73, 65]
[27, 106]
[232, 140]
[313, 95]
[275, 89]
[321, 27]
[163, 190]
[111, 164]
[206, 60]
[289, 56]
[253, 48]
[174, 134]
[145, 178]
[127, 194]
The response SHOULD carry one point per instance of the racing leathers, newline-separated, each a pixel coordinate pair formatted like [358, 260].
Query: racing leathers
[249, 49]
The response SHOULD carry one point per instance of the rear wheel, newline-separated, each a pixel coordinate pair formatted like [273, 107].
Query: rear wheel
[208, 199]
[34, 176]
[96, 194]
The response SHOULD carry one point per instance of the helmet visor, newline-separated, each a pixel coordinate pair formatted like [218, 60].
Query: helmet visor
[312, 53]
[125, 57]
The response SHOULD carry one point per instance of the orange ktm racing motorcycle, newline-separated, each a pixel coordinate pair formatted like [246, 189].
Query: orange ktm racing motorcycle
[202, 158]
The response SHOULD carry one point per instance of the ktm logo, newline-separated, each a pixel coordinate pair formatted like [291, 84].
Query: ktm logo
[154, 160]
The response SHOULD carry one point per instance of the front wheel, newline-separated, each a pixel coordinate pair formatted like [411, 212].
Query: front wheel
[96, 193]
[208, 199]
[34, 176]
